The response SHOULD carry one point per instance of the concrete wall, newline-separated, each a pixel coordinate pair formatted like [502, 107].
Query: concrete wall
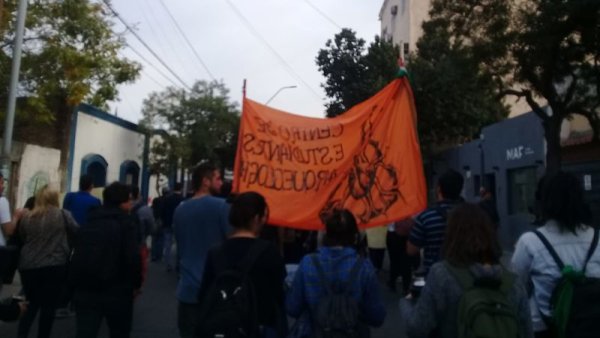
[404, 26]
[116, 140]
[38, 167]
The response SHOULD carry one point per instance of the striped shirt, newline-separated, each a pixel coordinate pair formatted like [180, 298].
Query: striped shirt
[429, 230]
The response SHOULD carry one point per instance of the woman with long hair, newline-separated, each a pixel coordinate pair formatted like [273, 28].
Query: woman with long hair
[470, 252]
[43, 233]
[563, 217]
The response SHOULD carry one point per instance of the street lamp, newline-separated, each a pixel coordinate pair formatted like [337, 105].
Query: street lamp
[278, 91]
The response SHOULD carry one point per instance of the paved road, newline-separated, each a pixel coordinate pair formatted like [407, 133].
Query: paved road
[155, 312]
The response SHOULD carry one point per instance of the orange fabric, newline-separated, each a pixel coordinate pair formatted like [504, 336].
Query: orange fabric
[367, 160]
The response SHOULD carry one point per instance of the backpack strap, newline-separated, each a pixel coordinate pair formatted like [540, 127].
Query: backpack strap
[321, 274]
[550, 249]
[354, 273]
[592, 249]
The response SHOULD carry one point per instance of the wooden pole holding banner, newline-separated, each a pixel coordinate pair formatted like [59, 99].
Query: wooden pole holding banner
[235, 184]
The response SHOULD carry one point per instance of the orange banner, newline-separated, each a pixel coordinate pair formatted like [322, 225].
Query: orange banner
[367, 160]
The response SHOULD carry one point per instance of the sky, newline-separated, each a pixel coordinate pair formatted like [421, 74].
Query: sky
[270, 43]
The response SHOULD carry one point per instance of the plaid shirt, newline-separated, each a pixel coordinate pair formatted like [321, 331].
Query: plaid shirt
[337, 263]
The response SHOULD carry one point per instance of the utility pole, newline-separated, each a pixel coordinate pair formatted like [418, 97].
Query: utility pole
[12, 93]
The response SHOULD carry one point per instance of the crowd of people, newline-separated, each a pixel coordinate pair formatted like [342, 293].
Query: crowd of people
[92, 256]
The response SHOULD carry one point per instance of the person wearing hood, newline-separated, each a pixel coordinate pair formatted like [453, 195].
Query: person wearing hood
[337, 259]
[469, 245]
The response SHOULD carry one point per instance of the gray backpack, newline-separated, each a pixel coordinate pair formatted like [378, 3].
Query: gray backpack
[336, 314]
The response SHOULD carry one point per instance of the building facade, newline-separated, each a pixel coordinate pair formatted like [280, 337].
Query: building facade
[401, 22]
[509, 159]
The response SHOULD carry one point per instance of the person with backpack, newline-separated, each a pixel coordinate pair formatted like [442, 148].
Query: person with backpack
[43, 236]
[561, 262]
[242, 285]
[428, 230]
[105, 267]
[468, 293]
[335, 292]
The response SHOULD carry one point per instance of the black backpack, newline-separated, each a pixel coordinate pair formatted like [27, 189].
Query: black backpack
[575, 301]
[336, 314]
[229, 308]
[97, 254]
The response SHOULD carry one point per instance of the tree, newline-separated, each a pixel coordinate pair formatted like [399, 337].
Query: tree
[200, 124]
[70, 55]
[454, 96]
[539, 50]
[353, 74]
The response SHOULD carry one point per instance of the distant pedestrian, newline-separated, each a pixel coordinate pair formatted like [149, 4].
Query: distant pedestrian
[564, 215]
[158, 241]
[429, 228]
[336, 271]
[470, 274]
[6, 223]
[199, 224]
[145, 224]
[488, 204]
[106, 267]
[170, 203]
[376, 245]
[44, 236]
[79, 203]
[247, 255]
[401, 264]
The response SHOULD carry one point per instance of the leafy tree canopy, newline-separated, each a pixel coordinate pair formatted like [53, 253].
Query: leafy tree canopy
[352, 73]
[201, 124]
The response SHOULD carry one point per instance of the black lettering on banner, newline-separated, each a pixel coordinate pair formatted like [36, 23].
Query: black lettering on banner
[339, 152]
[256, 174]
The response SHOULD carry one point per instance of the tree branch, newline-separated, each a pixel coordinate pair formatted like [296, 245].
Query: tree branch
[529, 98]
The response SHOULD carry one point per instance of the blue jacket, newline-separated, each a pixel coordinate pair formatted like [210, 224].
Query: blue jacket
[336, 262]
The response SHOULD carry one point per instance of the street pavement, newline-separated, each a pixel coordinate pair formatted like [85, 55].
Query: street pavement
[155, 311]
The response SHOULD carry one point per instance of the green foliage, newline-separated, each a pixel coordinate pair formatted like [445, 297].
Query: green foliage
[202, 125]
[539, 50]
[453, 78]
[70, 55]
[353, 74]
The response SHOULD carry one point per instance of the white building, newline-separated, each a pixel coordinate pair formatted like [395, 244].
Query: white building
[401, 22]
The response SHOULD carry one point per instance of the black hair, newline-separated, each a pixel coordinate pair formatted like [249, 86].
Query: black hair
[340, 229]
[135, 192]
[85, 182]
[451, 184]
[116, 194]
[202, 171]
[245, 207]
[562, 201]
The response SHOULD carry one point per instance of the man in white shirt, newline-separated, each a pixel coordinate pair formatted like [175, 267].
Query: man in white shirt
[5, 219]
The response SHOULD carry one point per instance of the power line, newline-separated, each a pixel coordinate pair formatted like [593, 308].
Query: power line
[151, 64]
[118, 16]
[174, 50]
[279, 57]
[187, 40]
[323, 14]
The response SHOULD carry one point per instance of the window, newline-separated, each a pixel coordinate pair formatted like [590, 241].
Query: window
[522, 183]
[406, 50]
[129, 173]
[95, 165]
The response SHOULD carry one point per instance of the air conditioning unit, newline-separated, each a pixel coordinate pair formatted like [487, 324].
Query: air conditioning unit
[394, 10]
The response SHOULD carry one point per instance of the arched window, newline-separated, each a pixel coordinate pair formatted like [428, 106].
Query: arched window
[95, 165]
[130, 173]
